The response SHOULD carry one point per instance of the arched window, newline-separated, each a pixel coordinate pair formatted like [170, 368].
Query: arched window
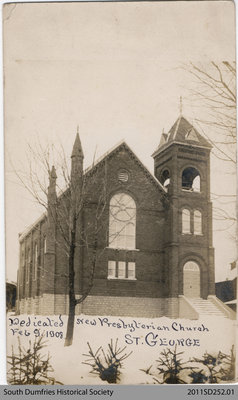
[165, 178]
[22, 266]
[44, 255]
[191, 179]
[197, 222]
[122, 222]
[35, 260]
[191, 266]
[28, 264]
[186, 221]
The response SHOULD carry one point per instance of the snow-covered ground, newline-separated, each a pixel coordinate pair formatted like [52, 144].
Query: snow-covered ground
[147, 338]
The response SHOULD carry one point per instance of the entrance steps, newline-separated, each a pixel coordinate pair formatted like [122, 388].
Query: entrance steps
[195, 308]
[206, 308]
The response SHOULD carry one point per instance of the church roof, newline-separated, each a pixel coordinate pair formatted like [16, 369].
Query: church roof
[29, 228]
[182, 132]
[117, 148]
[90, 169]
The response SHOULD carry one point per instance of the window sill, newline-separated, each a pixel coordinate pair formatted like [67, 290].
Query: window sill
[121, 279]
[122, 248]
[194, 234]
[191, 191]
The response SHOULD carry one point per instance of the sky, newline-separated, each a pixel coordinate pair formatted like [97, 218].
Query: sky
[113, 70]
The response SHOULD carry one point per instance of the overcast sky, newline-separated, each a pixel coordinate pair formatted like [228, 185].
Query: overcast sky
[114, 70]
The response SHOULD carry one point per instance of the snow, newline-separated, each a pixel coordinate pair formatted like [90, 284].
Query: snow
[211, 334]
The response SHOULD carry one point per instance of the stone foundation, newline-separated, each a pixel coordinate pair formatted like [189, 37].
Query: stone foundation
[48, 304]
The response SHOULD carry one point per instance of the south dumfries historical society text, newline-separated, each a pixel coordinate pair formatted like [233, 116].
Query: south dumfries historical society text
[61, 392]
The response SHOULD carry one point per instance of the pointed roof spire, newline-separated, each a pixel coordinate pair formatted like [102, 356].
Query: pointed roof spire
[52, 182]
[53, 173]
[77, 148]
[163, 138]
[182, 132]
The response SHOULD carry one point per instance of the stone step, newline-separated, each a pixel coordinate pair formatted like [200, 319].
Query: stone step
[205, 307]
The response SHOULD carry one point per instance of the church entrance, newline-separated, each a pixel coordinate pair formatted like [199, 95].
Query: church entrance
[191, 279]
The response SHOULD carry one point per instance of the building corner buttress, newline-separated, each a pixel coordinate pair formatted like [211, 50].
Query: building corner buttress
[76, 212]
[50, 251]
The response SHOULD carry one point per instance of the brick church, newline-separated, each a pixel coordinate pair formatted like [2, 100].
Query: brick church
[143, 242]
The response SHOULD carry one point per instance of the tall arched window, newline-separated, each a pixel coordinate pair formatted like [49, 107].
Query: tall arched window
[35, 260]
[28, 264]
[22, 267]
[122, 222]
[186, 221]
[197, 222]
[44, 255]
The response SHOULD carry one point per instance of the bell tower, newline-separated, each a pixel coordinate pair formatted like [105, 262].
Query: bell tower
[182, 165]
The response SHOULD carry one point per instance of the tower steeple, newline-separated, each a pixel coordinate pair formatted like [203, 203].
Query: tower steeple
[77, 157]
[52, 186]
[77, 148]
[52, 177]
[182, 165]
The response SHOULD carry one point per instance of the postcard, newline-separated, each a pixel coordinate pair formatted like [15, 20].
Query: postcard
[120, 182]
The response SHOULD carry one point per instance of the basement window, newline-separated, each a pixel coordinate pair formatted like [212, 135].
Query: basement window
[121, 270]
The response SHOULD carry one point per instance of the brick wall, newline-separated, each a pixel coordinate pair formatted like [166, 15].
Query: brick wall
[123, 306]
[150, 219]
[161, 248]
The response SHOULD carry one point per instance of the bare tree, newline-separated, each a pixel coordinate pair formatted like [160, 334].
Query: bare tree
[213, 91]
[64, 209]
[86, 238]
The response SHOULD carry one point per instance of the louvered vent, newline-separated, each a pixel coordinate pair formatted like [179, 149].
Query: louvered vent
[123, 175]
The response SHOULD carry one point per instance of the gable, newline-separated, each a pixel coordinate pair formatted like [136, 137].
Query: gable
[120, 161]
[121, 170]
[123, 147]
[191, 135]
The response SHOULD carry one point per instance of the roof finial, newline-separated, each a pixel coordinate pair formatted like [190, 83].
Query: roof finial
[180, 106]
[77, 148]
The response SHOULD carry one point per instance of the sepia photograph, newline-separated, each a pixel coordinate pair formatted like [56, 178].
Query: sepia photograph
[120, 192]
